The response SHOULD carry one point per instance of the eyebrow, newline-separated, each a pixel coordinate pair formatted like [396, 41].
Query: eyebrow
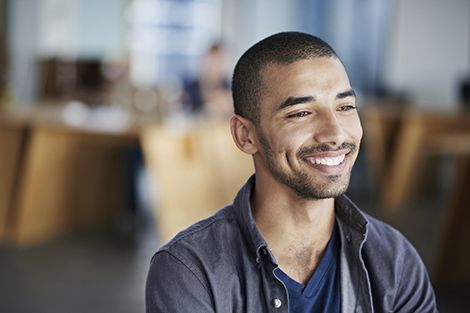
[345, 94]
[299, 100]
[295, 100]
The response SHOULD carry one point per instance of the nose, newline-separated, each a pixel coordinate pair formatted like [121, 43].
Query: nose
[328, 130]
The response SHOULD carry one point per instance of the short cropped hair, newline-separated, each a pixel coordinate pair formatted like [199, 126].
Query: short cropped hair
[281, 48]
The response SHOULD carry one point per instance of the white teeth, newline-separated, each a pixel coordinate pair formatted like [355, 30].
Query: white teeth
[329, 161]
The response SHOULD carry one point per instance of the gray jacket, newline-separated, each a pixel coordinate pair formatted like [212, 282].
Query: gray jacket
[222, 264]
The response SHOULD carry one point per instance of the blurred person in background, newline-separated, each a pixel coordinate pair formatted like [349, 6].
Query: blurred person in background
[291, 241]
[209, 93]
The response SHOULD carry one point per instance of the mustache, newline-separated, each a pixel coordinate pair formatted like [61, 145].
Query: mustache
[323, 147]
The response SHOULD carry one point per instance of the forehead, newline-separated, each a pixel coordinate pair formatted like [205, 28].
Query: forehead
[318, 77]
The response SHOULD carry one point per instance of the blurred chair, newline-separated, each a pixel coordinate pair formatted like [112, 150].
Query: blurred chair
[452, 261]
[381, 126]
[399, 145]
[194, 172]
[412, 150]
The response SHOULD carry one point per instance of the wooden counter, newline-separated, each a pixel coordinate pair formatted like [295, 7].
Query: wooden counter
[60, 179]
[57, 179]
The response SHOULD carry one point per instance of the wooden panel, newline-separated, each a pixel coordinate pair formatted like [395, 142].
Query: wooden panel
[71, 181]
[47, 187]
[12, 138]
[193, 173]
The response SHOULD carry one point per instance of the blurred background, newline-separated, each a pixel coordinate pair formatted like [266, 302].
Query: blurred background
[114, 133]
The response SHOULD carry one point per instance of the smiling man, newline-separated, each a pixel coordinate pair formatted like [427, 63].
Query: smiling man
[291, 241]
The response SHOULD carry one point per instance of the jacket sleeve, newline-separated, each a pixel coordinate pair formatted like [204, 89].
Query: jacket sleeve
[414, 292]
[173, 286]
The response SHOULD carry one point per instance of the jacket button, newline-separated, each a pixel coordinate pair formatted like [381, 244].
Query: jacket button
[277, 303]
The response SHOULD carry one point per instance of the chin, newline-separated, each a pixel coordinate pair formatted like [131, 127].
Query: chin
[308, 189]
[316, 194]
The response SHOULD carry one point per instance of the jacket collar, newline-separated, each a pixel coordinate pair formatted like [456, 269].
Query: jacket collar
[355, 283]
[247, 223]
[352, 220]
[356, 293]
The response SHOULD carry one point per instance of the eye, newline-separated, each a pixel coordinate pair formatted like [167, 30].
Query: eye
[299, 114]
[346, 107]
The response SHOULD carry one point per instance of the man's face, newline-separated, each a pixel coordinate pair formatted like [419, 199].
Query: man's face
[309, 130]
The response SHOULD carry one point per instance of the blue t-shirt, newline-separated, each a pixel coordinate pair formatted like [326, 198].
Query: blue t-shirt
[322, 292]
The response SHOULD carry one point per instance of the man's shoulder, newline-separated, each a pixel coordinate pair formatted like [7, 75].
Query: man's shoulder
[395, 268]
[376, 232]
[378, 227]
[386, 245]
[205, 237]
[383, 234]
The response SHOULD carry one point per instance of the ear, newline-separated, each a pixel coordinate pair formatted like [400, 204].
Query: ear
[243, 134]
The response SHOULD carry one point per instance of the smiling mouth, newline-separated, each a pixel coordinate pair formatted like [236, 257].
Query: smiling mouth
[329, 164]
[328, 161]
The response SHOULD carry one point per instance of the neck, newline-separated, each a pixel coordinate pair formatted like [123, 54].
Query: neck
[286, 213]
[297, 230]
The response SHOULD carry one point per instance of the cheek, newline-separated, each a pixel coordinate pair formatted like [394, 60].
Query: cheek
[354, 128]
[285, 143]
[359, 130]
[358, 133]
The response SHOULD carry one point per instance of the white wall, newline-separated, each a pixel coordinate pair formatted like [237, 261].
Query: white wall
[22, 46]
[245, 22]
[429, 50]
[59, 28]
[81, 28]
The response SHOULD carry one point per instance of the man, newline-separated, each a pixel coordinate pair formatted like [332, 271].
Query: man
[291, 241]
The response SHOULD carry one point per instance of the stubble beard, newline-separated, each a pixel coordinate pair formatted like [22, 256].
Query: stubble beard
[301, 182]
